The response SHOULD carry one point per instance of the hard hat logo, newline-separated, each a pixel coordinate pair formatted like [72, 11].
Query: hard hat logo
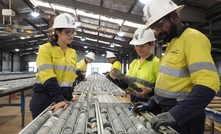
[136, 36]
[68, 21]
[142, 33]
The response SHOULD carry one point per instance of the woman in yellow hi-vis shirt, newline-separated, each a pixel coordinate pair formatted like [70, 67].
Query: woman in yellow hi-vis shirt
[142, 71]
[56, 63]
[111, 57]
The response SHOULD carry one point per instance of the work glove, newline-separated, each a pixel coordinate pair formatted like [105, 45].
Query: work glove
[141, 106]
[163, 119]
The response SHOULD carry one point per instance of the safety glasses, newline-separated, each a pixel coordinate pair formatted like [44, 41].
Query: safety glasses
[158, 24]
[142, 46]
[69, 32]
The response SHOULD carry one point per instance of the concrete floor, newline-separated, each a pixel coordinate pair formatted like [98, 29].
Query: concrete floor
[10, 117]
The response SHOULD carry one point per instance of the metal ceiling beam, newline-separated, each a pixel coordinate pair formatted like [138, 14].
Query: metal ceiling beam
[91, 44]
[102, 50]
[213, 32]
[106, 30]
[75, 45]
[217, 19]
[17, 42]
[42, 15]
[24, 19]
[27, 15]
[98, 44]
[132, 6]
[99, 10]
[104, 39]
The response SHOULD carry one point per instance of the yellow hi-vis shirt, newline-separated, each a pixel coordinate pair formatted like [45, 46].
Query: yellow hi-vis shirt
[51, 62]
[187, 62]
[82, 66]
[116, 64]
[145, 73]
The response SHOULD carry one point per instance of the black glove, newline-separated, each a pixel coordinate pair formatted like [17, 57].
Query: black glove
[163, 119]
[141, 106]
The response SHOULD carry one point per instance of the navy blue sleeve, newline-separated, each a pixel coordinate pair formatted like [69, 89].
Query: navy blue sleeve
[194, 104]
[67, 92]
[80, 75]
[54, 89]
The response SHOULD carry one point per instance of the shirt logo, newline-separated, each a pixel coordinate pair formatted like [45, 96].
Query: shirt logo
[136, 36]
[174, 52]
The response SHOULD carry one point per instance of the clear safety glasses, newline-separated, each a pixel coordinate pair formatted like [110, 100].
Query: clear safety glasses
[69, 32]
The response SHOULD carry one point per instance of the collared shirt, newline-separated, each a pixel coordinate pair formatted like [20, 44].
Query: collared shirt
[145, 73]
[53, 43]
[81, 69]
[187, 78]
[116, 64]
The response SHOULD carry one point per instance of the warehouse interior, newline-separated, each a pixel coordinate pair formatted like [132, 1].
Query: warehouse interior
[103, 26]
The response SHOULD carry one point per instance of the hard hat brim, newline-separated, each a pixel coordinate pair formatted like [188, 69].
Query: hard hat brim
[53, 28]
[89, 57]
[137, 43]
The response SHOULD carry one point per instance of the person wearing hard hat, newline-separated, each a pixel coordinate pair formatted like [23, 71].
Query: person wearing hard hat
[56, 63]
[187, 80]
[82, 67]
[142, 71]
[115, 64]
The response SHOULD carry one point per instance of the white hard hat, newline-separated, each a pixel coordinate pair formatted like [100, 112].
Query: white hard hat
[156, 9]
[64, 20]
[110, 55]
[90, 55]
[143, 35]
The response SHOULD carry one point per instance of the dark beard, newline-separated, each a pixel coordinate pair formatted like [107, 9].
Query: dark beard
[168, 36]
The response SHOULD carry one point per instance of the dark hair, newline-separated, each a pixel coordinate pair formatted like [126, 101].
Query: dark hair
[54, 37]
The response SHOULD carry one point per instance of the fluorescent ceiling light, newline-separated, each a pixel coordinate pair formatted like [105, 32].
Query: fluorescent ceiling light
[112, 45]
[35, 13]
[91, 15]
[63, 8]
[103, 55]
[120, 33]
[96, 16]
[85, 46]
[87, 51]
[83, 39]
[118, 21]
[16, 50]
[22, 37]
[104, 42]
[131, 24]
[47, 5]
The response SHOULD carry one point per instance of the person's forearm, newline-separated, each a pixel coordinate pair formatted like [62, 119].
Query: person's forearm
[194, 103]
